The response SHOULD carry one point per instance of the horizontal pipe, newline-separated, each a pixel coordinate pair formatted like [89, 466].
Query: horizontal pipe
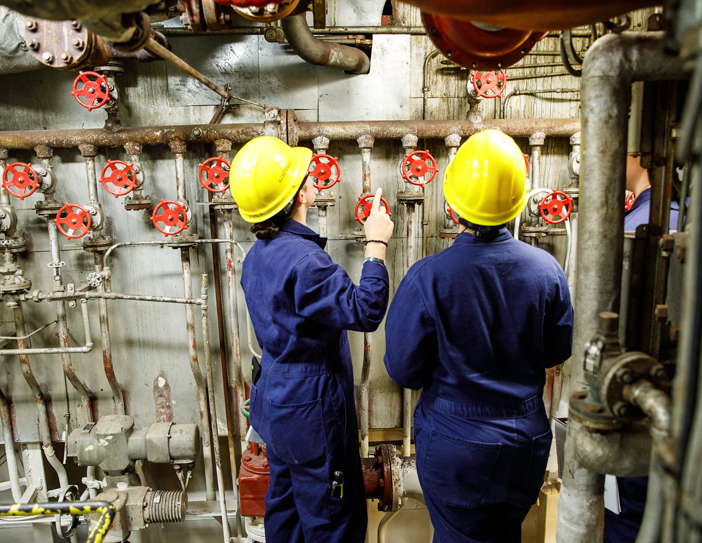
[61, 350]
[241, 133]
[163, 244]
[622, 453]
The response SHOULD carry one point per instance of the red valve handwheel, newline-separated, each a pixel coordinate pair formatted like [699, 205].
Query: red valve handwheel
[526, 160]
[118, 177]
[416, 165]
[23, 178]
[94, 89]
[556, 204]
[364, 205]
[489, 84]
[172, 215]
[630, 201]
[324, 169]
[214, 174]
[451, 214]
[73, 221]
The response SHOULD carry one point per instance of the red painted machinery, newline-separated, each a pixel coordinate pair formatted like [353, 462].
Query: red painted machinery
[254, 478]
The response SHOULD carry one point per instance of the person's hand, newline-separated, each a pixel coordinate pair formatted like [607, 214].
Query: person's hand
[378, 225]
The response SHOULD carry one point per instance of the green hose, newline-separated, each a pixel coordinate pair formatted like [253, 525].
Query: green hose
[244, 410]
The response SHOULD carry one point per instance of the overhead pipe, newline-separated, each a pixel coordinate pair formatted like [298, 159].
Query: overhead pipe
[610, 67]
[366, 144]
[322, 53]
[44, 428]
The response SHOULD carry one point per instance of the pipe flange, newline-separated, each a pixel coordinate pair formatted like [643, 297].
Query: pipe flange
[13, 245]
[47, 209]
[591, 414]
[383, 459]
[15, 284]
[182, 240]
[142, 32]
[324, 201]
[97, 244]
[624, 370]
[409, 197]
[534, 231]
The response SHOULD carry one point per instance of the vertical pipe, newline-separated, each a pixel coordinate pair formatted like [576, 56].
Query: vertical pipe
[117, 395]
[85, 393]
[366, 145]
[44, 429]
[536, 140]
[409, 143]
[89, 153]
[321, 144]
[213, 409]
[197, 374]
[4, 196]
[178, 148]
[9, 441]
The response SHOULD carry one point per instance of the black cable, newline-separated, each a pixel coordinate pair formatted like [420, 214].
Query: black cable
[564, 57]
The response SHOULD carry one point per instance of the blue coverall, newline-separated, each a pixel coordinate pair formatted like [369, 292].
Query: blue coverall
[301, 305]
[624, 527]
[477, 325]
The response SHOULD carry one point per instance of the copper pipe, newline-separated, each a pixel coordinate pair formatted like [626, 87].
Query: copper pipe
[197, 374]
[117, 395]
[44, 429]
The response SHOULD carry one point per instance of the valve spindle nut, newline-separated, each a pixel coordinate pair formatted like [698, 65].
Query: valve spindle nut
[624, 375]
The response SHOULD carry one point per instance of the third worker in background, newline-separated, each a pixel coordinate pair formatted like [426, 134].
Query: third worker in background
[476, 326]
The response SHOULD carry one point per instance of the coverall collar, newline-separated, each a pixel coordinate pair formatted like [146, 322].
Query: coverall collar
[295, 227]
[467, 237]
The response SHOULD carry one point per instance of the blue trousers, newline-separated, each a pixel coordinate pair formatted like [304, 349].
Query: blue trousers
[306, 414]
[480, 476]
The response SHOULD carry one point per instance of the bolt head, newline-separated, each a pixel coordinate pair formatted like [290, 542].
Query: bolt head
[76, 25]
[66, 58]
[31, 25]
[624, 375]
[32, 44]
[623, 410]
[48, 58]
[658, 372]
[78, 43]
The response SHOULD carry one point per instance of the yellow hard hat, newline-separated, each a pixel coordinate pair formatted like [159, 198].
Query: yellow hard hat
[265, 175]
[486, 183]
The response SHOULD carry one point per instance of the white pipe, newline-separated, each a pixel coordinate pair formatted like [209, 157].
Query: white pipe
[569, 239]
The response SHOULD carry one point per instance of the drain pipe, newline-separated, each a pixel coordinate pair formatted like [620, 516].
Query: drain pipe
[610, 67]
[320, 53]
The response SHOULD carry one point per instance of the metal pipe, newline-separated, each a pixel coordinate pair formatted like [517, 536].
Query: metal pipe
[4, 195]
[611, 65]
[85, 393]
[241, 133]
[89, 153]
[383, 526]
[213, 408]
[9, 442]
[235, 337]
[321, 144]
[624, 454]
[15, 338]
[178, 148]
[53, 296]
[366, 142]
[259, 30]
[425, 87]
[44, 429]
[321, 53]
[197, 374]
[117, 395]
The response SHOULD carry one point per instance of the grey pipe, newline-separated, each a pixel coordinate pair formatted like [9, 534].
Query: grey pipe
[620, 453]
[321, 53]
[611, 65]
[9, 442]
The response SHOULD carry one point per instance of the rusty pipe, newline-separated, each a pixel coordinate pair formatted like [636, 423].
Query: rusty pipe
[197, 374]
[44, 429]
[117, 395]
[9, 442]
[321, 145]
[321, 53]
[213, 407]
[178, 148]
[366, 144]
[4, 195]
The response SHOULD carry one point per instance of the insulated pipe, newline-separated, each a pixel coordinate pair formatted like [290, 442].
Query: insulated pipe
[213, 408]
[624, 454]
[322, 53]
[321, 145]
[409, 144]
[366, 145]
[197, 374]
[44, 429]
[117, 395]
[610, 67]
[9, 442]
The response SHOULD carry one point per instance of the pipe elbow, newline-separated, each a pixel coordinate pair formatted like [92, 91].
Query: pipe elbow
[320, 53]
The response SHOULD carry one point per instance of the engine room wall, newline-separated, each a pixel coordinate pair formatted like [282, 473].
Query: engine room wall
[149, 341]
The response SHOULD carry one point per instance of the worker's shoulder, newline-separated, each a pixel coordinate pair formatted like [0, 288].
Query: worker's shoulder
[534, 256]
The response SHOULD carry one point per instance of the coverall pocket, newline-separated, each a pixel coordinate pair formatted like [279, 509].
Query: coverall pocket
[458, 472]
[297, 432]
[540, 448]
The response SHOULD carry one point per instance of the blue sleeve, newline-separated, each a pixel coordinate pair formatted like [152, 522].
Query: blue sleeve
[325, 293]
[410, 337]
[558, 324]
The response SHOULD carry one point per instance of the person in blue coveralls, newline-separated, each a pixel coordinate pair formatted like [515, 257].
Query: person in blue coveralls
[476, 325]
[301, 305]
[637, 182]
